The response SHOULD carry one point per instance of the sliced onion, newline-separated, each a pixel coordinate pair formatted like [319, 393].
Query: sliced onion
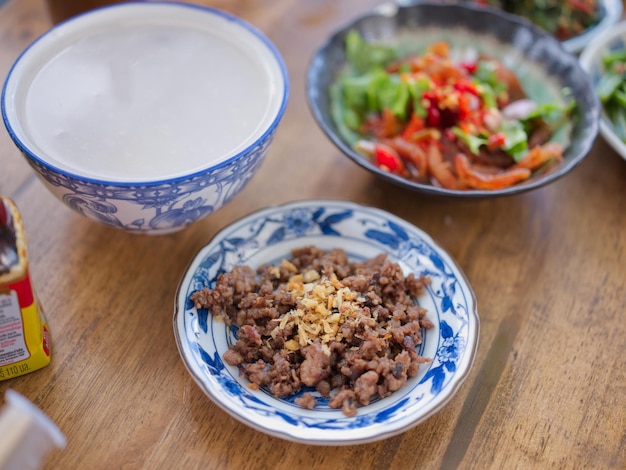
[519, 109]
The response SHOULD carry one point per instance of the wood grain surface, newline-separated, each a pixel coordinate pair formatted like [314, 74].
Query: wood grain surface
[548, 387]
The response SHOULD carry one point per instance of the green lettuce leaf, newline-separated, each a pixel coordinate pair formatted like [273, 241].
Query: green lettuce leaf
[473, 142]
[516, 139]
[364, 56]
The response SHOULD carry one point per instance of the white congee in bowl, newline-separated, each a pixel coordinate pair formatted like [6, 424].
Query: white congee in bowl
[146, 116]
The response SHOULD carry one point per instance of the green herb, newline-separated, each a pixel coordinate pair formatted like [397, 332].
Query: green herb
[611, 89]
[516, 143]
[486, 76]
[563, 19]
[393, 94]
[473, 142]
[608, 85]
[516, 139]
[416, 90]
[364, 56]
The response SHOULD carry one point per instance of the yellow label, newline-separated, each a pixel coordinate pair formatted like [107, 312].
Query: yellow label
[24, 338]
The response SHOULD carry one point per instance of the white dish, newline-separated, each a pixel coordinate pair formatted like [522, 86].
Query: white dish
[591, 62]
[612, 12]
[269, 235]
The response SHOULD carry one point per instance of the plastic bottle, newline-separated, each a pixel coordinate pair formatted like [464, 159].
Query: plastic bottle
[28, 435]
[24, 333]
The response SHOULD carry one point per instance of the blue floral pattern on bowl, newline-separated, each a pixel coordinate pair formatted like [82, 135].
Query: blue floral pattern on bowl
[165, 206]
[268, 236]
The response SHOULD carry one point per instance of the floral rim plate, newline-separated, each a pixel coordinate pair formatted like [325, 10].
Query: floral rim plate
[268, 236]
[591, 62]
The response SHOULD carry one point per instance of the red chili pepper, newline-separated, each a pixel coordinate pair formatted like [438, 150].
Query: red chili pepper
[388, 159]
[466, 87]
[4, 215]
[449, 135]
[465, 110]
[433, 117]
[496, 141]
[470, 67]
[430, 95]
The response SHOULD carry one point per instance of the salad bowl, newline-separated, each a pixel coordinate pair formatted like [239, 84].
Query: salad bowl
[546, 72]
[610, 14]
[576, 36]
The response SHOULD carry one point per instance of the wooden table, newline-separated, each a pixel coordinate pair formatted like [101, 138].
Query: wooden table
[548, 387]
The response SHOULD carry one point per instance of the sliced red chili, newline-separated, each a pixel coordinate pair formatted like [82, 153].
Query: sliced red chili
[430, 95]
[388, 159]
[496, 141]
[469, 67]
[465, 109]
[4, 215]
[466, 87]
[433, 117]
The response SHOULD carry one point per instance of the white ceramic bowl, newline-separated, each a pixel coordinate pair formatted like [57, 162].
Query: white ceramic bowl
[146, 116]
[591, 62]
[269, 235]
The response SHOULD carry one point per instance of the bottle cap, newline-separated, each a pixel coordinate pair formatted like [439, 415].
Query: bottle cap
[28, 435]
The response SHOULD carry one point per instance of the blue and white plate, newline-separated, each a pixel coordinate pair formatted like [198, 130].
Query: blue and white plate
[271, 234]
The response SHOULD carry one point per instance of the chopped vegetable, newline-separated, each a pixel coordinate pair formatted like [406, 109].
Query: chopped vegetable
[561, 18]
[611, 89]
[414, 115]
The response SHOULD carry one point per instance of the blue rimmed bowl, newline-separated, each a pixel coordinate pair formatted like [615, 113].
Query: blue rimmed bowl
[269, 235]
[146, 116]
[545, 69]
